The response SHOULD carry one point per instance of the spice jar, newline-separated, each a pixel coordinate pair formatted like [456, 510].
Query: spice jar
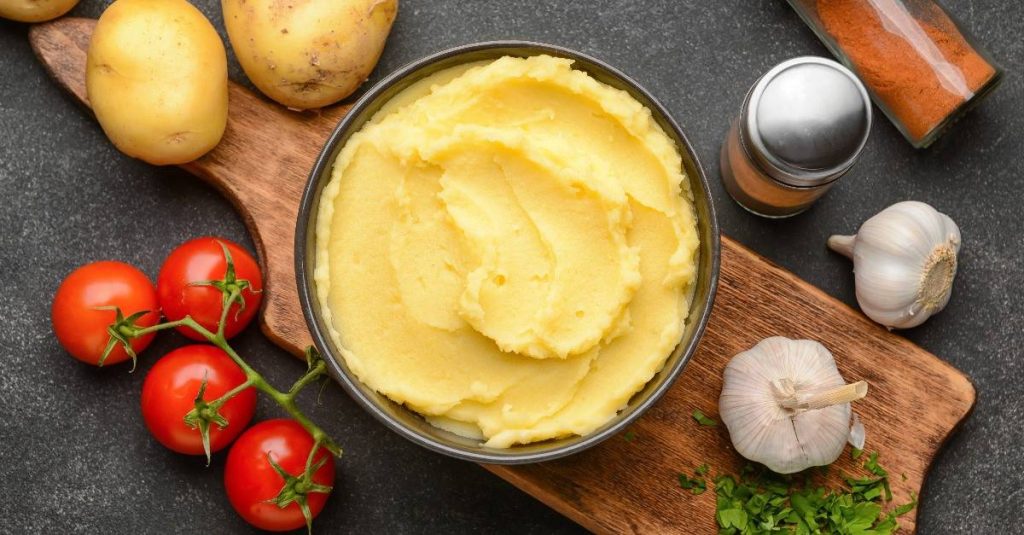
[802, 126]
[921, 69]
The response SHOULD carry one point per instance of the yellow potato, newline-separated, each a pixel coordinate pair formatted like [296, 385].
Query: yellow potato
[34, 10]
[308, 53]
[157, 78]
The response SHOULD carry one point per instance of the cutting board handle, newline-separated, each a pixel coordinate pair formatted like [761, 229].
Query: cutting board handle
[260, 165]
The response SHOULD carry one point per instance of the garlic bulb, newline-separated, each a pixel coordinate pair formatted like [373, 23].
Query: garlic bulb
[786, 406]
[904, 261]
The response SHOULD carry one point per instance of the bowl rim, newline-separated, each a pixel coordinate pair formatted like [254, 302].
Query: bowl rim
[305, 233]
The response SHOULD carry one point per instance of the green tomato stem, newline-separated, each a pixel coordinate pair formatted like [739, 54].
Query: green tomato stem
[219, 402]
[285, 400]
[311, 375]
[309, 459]
[225, 308]
[168, 325]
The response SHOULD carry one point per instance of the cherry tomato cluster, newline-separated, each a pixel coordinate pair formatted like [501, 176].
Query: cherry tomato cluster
[198, 399]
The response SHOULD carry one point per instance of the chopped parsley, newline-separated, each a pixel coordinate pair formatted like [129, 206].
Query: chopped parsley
[629, 436]
[702, 419]
[870, 488]
[702, 470]
[872, 465]
[696, 485]
[762, 502]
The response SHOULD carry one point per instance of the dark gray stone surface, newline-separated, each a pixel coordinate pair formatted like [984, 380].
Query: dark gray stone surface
[76, 458]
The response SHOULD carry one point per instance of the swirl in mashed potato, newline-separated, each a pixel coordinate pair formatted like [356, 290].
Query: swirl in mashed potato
[508, 249]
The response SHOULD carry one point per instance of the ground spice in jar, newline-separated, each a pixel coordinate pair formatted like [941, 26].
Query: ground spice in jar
[754, 190]
[801, 127]
[917, 64]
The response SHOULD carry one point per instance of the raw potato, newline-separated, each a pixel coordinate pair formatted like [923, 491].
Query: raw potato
[157, 78]
[34, 10]
[308, 53]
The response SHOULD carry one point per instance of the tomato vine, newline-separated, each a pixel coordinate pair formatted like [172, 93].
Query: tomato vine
[205, 413]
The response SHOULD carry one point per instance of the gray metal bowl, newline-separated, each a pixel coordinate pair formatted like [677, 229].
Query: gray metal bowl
[406, 422]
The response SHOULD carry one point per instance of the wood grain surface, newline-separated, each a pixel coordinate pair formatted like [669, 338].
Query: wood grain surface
[916, 400]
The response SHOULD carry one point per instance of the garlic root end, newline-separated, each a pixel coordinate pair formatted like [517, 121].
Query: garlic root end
[842, 244]
[937, 280]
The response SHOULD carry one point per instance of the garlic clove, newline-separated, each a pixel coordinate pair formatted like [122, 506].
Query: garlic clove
[842, 244]
[822, 434]
[905, 260]
[786, 405]
[858, 435]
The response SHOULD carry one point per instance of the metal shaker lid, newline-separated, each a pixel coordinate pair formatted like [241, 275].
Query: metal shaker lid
[806, 120]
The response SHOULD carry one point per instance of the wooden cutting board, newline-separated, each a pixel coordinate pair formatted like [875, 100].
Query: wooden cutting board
[622, 486]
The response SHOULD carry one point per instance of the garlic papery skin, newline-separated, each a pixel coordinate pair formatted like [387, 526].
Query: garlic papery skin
[786, 405]
[904, 262]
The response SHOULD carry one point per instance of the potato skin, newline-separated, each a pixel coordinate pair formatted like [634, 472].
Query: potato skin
[308, 53]
[157, 79]
[34, 10]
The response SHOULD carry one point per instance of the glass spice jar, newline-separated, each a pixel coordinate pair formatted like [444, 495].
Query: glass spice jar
[921, 69]
[801, 127]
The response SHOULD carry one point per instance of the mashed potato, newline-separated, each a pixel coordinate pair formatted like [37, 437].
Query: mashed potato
[508, 249]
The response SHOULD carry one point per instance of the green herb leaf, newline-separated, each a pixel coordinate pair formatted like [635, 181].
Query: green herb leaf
[732, 518]
[725, 486]
[702, 419]
[907, 507]
[872, 466]
[761, 502]
[695, 485]
[702, 469]
[629, 436]
[856, 453]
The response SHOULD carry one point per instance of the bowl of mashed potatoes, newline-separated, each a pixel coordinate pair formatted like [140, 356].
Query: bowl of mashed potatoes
[507, 252]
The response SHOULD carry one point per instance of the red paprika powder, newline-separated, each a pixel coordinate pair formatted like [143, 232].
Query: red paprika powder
[911, 56]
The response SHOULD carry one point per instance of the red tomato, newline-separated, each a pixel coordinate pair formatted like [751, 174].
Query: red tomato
[82, 329]
[170, 391]
[251, 481]
[199, 260]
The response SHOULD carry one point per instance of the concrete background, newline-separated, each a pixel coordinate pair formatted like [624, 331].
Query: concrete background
[75, 455]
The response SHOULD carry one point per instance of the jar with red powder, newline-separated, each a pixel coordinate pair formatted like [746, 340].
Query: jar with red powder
[921, 69]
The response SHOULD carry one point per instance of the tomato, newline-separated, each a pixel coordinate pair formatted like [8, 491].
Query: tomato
[200, 260]
[251, 481]
[81, 324]
[169, 393]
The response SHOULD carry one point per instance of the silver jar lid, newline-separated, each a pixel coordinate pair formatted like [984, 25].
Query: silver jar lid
[806, 120]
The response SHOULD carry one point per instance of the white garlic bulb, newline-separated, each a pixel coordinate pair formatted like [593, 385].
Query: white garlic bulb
[786, 405]
[904, 262]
